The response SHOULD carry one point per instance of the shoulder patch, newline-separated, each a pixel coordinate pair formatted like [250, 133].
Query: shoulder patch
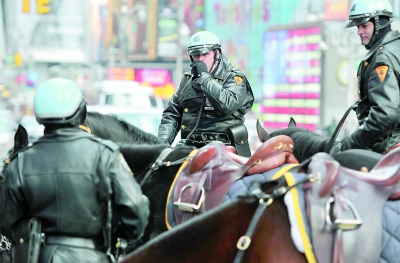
[381, 71]
[122, 161]
[238, 80]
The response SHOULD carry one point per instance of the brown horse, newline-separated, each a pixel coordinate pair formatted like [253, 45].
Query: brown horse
[243, 231]
[212, 237]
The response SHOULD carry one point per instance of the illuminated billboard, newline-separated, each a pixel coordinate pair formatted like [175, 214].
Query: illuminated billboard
[131, 28]
[291, 77]
[168, 37]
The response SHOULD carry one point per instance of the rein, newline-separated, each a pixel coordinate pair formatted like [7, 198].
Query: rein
[161, 163]
[264, 200]
[335, 134]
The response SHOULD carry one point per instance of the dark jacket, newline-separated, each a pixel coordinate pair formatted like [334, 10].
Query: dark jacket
[378, 111]
[60, 179]
[221, 100]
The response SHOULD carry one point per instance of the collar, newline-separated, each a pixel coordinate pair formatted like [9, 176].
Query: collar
[388, 37]
[63, 134]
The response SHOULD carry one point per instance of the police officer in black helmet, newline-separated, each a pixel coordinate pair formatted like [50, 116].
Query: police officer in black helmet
[378, 109]
[71, 181]
[211, 101]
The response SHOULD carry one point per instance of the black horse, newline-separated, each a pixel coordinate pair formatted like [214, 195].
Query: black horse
[140, 150]
[308, 143]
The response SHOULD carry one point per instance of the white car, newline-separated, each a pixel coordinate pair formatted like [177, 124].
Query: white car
[147, 119]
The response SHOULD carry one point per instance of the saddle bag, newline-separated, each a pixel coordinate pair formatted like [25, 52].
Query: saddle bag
[239, 138]
[27, 237]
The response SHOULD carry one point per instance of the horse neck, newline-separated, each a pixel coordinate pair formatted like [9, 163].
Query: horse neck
[222, 227]
[306, 143]
[109, 127]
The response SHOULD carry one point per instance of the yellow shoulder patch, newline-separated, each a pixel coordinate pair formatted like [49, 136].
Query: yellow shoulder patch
[381, 71]
[122, 161]
[238, 80]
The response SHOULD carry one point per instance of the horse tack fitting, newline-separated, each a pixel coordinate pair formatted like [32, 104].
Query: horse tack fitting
[315, 178]
[343, 224]
[243, 243]
[188, 207]
[85, 128]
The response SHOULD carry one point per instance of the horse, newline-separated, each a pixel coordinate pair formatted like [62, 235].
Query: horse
[217, 236]
[213, 236]
[308, 143]
[110, 127]
[140, 158]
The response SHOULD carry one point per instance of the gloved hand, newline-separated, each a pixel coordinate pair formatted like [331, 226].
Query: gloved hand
[197, 68]
[346, 144]
[162, 141]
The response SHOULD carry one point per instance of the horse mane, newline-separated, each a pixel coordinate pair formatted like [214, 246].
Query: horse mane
[110, 127]
[306, 142]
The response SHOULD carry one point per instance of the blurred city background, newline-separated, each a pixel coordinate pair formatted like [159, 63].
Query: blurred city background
[127, 56]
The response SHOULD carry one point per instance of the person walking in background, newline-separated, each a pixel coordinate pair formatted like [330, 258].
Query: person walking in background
[211, 100]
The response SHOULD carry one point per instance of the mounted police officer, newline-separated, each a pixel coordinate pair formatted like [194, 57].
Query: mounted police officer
[71, 181]
[211, 101]
[378, 109]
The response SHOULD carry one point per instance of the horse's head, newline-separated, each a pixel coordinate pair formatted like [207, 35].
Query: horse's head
[306, 142]
[21, 140]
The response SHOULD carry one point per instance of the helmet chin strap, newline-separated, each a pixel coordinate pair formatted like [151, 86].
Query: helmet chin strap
[379, 30]
[216, 59]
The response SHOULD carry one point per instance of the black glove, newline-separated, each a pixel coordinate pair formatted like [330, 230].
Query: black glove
[346, 144]
[197, 68]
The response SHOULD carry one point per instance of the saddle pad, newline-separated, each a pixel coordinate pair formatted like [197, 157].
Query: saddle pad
[295, 203]
[169, 213]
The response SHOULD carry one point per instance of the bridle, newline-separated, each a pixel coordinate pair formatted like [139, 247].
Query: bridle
[161, 163]
[264, 200]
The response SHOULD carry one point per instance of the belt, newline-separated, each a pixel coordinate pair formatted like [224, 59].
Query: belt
[74, 241]
[209, 136]
[201, 139]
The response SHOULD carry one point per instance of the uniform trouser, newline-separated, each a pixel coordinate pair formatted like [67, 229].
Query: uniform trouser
[67, 254]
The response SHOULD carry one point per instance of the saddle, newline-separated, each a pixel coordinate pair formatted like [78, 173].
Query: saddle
[206, 179]
[344, 207]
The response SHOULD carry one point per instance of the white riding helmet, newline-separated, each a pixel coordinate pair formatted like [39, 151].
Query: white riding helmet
[203, 42]
[362, 11]
[58, 101]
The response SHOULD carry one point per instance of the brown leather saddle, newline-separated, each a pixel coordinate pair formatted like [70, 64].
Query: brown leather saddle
[205, 181]
[344, 207]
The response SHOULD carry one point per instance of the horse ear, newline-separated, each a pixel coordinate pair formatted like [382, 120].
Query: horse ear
[292, 123]
[263, 134]
[21, 139]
